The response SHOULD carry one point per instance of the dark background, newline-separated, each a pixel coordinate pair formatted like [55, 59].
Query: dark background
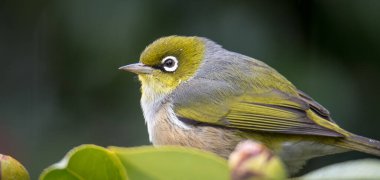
[60, 86]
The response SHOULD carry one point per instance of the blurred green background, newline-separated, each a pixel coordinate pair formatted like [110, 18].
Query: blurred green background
[60, 86]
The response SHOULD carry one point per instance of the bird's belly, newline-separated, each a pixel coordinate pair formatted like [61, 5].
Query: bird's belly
[165, 129]
[216, 140]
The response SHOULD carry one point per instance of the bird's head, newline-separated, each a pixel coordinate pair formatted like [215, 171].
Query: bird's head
[166, 63]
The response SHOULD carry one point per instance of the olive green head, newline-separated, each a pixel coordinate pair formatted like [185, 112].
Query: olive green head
[167, 62]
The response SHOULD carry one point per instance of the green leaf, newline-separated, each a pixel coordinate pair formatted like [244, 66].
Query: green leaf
[86, 162]
[356, 169]
[94, 162]
[171, 162]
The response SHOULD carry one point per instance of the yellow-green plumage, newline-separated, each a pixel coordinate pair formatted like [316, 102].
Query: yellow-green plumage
[215, 98]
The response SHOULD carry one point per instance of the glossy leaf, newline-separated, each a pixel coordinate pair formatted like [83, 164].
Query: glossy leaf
[94, 162]
[87, 162]
[171, 163]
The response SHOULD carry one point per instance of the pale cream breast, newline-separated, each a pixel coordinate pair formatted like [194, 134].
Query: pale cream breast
[166, 131]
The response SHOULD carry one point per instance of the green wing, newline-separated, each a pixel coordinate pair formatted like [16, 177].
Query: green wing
[275, 114]
[273, 105]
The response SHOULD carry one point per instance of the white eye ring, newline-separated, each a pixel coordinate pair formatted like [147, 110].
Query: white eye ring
[170, 63]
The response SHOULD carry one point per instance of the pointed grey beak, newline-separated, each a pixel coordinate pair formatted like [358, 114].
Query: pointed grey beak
[137, 68]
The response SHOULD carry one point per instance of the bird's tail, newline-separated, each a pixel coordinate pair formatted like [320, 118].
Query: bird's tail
[359, 143]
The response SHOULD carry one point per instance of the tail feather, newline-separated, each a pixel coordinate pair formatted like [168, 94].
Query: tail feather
[360, 143]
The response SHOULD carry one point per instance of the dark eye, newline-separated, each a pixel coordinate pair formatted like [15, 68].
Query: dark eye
[170, 63]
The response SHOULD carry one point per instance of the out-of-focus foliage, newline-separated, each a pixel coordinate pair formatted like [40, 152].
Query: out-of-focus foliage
[87, 162]
[249, 161]
[355, 169]
[94, 162]
[60, 87]
[170, 162]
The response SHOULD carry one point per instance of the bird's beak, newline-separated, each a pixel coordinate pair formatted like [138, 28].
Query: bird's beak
[137, 68]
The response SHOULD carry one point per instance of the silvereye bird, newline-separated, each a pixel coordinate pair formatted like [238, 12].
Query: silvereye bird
[195, 93]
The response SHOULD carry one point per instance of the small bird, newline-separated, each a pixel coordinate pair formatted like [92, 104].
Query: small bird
[196, 93]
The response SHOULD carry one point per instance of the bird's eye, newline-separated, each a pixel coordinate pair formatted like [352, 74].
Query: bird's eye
[169, 63]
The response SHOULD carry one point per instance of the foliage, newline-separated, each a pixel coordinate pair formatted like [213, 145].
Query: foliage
[356, 169]
[94, 162]
[171, 162]
[87, 162]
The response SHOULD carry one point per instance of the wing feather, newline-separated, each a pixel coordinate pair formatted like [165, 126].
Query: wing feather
[277, 115]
